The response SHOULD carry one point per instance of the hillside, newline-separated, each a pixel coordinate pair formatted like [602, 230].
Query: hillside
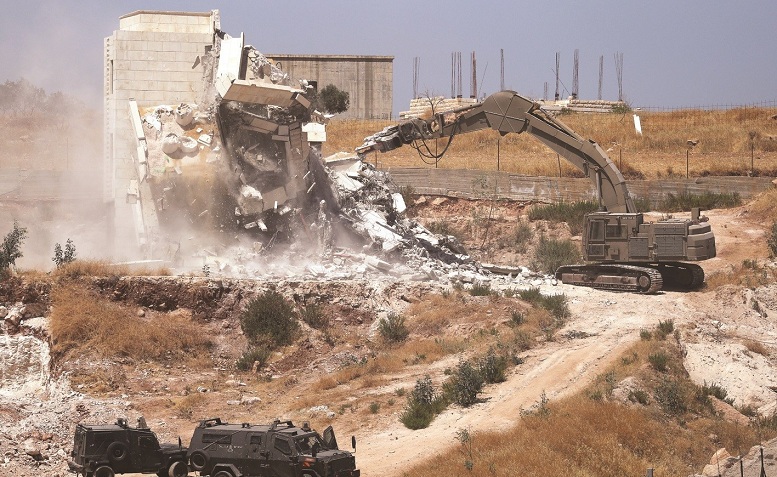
[634, 381]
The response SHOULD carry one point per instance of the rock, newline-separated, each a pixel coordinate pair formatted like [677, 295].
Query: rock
[3, 312]
[248, 400]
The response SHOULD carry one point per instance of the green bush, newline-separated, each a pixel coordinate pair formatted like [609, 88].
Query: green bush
[493, 367]
[479, 289]
[707, 200]
[517, 318]
[423, 404]
[253, 355]
[659, 360]
[772, 241]
[333, 100]
[464, 384]
[269, 320]
[393, 329]
[552, 253]
[523, 236]
[63, 257]
[573, 213]
[555, 304]
[671, 396]
[11, 248]
[314, 316]
[717, 391]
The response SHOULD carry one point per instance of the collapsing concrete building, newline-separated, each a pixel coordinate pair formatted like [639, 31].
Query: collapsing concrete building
[234, 168]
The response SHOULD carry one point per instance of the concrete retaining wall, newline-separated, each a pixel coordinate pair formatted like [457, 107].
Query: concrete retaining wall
[482, 184]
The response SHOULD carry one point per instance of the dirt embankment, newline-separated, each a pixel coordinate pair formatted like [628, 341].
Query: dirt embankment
[320, 377]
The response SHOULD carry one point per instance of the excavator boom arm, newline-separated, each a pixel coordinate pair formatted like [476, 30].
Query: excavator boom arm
[509, 112]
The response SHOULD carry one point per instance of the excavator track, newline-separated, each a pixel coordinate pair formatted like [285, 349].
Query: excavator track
[618, 277]
[681, 276]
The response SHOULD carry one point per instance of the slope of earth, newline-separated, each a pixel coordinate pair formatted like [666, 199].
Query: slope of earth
[345, 375]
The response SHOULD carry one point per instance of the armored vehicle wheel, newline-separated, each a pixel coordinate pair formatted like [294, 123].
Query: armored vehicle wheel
[222, 473]
[117, 452]
[177, 469]
[104, 471]
[198, 460]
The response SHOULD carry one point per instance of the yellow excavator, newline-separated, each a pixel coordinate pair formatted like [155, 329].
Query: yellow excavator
[621, 250]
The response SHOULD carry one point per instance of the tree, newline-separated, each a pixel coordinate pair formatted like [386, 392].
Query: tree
[63, 257]
[333, 100]
[11, 246]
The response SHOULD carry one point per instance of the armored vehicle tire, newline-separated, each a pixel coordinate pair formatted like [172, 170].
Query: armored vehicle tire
[222, 473]
[198, 460]
[103, 471]
[177, 469]
[117, 452]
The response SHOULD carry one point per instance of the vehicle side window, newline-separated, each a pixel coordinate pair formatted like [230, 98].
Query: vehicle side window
[282, 445]
[256, 439]
[209, 438]
[615, 231]
[147, 442]
[597, 231]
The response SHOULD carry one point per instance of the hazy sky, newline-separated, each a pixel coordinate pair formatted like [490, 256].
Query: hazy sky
[675, 52]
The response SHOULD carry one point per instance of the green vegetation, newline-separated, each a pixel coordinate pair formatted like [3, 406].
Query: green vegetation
[269, 321]
[555, 304]
[62, 258]
[523, 236]
[552, 253]
[480, 289]
[772, 241]
[258, 355]
[573, 213]
[464, 384]
[393, 328]
[333, 100]
[11, 248]
[685, 201]
[314, 316]
[423, 404]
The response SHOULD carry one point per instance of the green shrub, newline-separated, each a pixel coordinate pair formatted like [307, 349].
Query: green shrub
[423, 404]
[639, 396]
[407, 193]
[440, 227]
[393, 329]
[464, 384]
[517, 318]
[11, 248]
[253, 355]
[314, 316]
[659, 360]
[523, 236]
[63, 257]
[269, 320]
[772, 241]
[717, 391]
[552, 253]
[555, 304]
[645, 335]
[671, 397]
[493, 367]
[573, 213]
[707, 200]
[374, 407]
[479, 289]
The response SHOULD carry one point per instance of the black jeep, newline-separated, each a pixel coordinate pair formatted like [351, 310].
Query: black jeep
[280, 449]
[107, 449]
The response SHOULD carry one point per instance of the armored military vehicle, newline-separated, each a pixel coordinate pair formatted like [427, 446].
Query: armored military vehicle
[280, 449]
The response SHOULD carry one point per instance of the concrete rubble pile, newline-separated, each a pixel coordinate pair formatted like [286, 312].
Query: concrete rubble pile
[242, 174]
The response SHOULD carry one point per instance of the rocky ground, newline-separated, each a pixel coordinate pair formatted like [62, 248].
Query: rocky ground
[38, 409]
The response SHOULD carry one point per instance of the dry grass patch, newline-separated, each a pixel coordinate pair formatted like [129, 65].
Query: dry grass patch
[102, 268]
[749, 274]
[723, 148]
[83, 323]
[756, 347]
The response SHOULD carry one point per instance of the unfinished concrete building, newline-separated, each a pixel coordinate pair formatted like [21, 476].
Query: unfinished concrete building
[183, 99]
[367, 79]
[153, 58]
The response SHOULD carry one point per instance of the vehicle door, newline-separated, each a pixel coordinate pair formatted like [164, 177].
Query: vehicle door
[329, 438]
[283, 457]
[255, 458]
[145, 452]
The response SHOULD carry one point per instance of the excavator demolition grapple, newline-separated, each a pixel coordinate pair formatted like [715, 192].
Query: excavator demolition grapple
[621, 250]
